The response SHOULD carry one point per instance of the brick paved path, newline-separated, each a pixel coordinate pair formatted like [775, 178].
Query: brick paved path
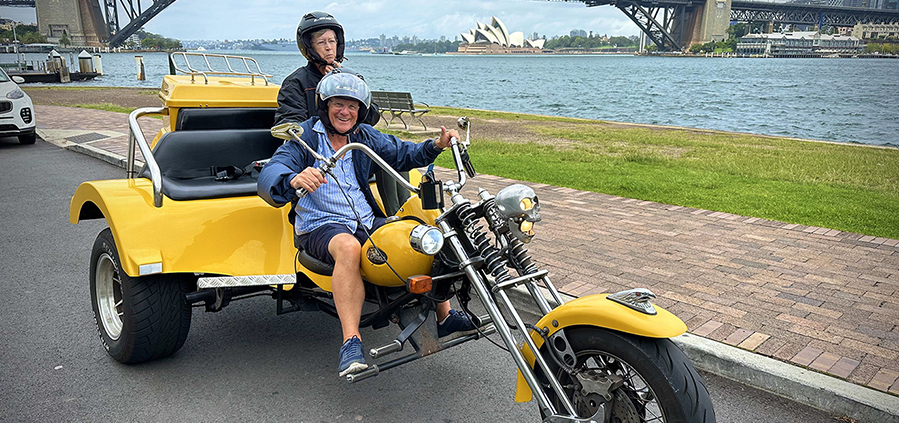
[814, 297]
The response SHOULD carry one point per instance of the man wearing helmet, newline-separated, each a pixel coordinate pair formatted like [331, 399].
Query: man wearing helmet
[332, 220]
[320, 39]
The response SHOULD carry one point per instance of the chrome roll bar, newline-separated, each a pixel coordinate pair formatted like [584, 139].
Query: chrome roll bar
[210, 71]
[136, 136]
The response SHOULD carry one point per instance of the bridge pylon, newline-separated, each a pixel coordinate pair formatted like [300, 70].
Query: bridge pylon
[709, 22]
[81, 21]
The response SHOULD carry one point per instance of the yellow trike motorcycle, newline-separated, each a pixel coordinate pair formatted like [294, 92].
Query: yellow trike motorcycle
[187, 229]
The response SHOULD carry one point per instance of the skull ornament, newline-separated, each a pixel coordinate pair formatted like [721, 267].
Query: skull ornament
[518, 204]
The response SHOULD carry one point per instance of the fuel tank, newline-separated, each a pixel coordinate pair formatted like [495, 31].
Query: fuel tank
[391, 249]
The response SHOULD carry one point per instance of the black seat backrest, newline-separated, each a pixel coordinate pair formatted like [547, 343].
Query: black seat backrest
[190, 119]
[181, 151]
[393, 195]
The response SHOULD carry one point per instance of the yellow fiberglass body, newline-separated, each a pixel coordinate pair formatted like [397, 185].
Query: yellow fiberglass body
[596, 310]
[236, 236]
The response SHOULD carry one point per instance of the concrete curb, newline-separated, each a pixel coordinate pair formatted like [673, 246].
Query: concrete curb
[97, 153]
[794, 383]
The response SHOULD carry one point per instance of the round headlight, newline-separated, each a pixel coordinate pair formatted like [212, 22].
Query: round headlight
[15, 94]
[426, 239]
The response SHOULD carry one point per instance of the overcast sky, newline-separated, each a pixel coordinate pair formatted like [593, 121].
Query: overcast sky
[243, 19]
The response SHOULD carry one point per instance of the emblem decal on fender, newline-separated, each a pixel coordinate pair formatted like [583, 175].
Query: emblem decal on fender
[376, 256]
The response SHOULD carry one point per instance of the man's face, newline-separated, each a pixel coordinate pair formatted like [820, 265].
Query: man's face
[326, 45]
[343, 113]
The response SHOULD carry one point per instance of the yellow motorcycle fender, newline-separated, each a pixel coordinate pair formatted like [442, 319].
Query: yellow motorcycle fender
[236, 236]
[595, 310]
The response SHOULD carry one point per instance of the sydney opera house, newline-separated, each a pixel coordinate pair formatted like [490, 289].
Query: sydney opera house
[496, 39]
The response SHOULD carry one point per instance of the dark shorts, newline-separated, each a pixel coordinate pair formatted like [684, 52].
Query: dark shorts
[315, 243]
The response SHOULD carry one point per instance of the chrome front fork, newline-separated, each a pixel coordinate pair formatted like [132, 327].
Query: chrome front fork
[499, 320]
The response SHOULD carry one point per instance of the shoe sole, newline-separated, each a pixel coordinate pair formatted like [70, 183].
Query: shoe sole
[354, 368]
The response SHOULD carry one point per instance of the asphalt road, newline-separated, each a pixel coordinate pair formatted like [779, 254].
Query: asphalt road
[241, 364]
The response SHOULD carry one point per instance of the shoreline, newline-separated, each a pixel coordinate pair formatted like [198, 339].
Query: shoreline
[134, 97]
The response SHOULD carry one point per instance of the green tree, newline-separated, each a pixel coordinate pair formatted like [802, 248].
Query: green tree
[621, 41]
[25, 34]
[64, 39]
[151, 41]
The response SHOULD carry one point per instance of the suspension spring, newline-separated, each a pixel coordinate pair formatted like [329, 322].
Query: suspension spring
[496, 264]
[519, 257]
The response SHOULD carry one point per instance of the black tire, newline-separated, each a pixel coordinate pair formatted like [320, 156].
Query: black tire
[138, 318]
[659, 379]
[27, 138]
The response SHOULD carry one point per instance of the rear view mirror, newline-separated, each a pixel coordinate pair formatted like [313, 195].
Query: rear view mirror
[18, 79]
[287, 131]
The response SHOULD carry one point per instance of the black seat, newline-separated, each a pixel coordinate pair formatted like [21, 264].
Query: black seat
[190, 119]
[183, 152]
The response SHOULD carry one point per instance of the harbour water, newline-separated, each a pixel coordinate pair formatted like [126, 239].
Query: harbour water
[843, 100]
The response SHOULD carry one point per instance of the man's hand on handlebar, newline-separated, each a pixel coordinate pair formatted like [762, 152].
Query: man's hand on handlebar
[309, 179]
[445, 135]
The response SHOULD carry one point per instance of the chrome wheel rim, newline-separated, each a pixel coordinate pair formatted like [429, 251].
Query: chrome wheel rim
[108, 285]
[634, 402]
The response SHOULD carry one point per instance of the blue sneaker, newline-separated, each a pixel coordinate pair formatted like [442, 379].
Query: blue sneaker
[456, 323]
[351, 358]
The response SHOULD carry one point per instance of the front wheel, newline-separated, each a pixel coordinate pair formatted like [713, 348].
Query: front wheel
[138, 318]
[637, 379]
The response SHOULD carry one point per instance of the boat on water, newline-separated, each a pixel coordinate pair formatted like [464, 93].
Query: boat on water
[54, 69]
[278, 46]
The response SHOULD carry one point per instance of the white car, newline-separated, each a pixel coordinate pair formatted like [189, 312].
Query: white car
[16, 110]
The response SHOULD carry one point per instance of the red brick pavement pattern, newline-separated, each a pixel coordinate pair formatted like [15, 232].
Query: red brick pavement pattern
[814, 297]
[71, 118]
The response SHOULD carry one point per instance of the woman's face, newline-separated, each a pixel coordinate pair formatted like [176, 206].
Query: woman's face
[325, 44]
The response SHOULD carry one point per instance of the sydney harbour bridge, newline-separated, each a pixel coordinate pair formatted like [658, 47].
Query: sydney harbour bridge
[673, 25]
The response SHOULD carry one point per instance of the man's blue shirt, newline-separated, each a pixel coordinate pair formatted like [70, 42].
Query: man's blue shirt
[328, 203]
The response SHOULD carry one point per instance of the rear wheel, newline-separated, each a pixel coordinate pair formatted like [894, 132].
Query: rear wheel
[637, 379]
[138, 318]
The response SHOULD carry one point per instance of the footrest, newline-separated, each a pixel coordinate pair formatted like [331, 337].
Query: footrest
[390, 348]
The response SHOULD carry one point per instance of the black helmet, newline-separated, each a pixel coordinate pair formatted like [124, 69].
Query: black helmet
[314, 21]
[343, 83]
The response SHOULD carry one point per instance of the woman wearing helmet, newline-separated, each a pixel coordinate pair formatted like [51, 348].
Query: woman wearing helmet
[320, 39]
[332, 220]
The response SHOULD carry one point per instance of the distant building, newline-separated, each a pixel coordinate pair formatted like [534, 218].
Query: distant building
[801, 44]
[577, 33]
[496, 39]
[875, 31]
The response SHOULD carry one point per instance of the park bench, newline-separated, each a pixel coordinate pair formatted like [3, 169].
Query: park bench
[397, 104]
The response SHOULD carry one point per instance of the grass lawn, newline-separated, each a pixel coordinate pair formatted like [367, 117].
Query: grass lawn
[847, 187]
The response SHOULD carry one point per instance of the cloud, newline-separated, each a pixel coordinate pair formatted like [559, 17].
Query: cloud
[268, 19]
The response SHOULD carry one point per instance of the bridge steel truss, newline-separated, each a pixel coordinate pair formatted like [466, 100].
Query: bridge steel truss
[751, 11]
[137, 16]
[662, 21]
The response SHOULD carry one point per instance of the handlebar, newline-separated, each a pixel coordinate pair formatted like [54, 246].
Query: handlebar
[460, 156]
[330, 162]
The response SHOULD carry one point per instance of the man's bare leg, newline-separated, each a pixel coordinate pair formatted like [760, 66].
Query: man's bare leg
[346, 283]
